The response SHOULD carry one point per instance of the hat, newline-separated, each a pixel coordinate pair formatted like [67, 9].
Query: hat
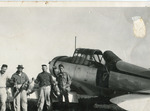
[20, 66]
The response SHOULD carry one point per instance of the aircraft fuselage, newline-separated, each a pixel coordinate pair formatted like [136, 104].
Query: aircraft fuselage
[91, 76]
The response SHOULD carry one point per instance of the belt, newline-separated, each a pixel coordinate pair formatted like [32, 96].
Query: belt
[19, 84]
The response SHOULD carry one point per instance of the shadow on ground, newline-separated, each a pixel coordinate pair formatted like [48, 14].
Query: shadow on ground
[83, 105]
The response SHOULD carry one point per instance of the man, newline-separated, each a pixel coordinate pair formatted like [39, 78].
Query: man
[20, 80]
[3, 90]
[44, 80]
[64, 82]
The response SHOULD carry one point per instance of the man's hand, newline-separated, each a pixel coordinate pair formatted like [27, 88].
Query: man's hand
[8, 92]
[25, 85]
[64, 88]
[16, 86]
[29, 92]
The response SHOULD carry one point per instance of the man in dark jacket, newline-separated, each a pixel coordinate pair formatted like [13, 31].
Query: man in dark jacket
[64, 82]
[20, 81]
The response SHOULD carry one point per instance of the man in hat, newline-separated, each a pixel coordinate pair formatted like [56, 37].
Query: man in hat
[64, 82]
[3, 90]
[44, 79]
[20, 80]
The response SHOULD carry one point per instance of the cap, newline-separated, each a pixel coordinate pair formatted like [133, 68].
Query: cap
[4, 65]
[44, 65]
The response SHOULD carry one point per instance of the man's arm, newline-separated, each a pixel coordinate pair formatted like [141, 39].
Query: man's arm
[69, 81]
[37, 80]
[9, 83]
[12, 80]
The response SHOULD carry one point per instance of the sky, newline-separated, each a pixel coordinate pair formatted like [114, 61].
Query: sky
[34, 36]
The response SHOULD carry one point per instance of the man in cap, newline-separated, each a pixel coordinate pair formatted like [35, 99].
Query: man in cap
[20, 80]
[3, 89]
[44, 79]
[64, 82]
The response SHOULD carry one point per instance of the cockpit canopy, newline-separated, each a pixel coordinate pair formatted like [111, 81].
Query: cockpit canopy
[85, 56]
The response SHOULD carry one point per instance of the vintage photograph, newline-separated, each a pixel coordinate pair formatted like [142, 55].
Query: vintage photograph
[75, 59]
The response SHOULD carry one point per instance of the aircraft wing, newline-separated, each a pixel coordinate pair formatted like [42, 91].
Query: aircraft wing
[138, 101]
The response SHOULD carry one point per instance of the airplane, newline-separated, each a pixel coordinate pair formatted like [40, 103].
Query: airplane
[95, 73]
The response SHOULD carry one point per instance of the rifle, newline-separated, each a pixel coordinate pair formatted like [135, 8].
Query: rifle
[23, 86]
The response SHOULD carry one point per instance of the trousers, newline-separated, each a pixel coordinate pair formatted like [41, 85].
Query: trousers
[3, 98]
[63, 92]
[44, 97]
[20, 102]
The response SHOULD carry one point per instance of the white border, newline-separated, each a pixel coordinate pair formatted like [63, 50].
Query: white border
[74, 4]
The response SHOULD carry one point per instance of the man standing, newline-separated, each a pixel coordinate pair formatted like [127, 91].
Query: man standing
[44, 80]
[3, 92]
[64, 82]
[20, 80]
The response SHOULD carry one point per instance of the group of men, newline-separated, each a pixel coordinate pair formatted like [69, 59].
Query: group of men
[19, 83]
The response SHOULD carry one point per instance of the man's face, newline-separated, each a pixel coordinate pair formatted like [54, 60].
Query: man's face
[20, 69]
[61, 69]
[3, 70]
[44, 68]
[56, 71]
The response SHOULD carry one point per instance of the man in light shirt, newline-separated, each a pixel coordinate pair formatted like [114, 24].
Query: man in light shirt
[3, 92]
